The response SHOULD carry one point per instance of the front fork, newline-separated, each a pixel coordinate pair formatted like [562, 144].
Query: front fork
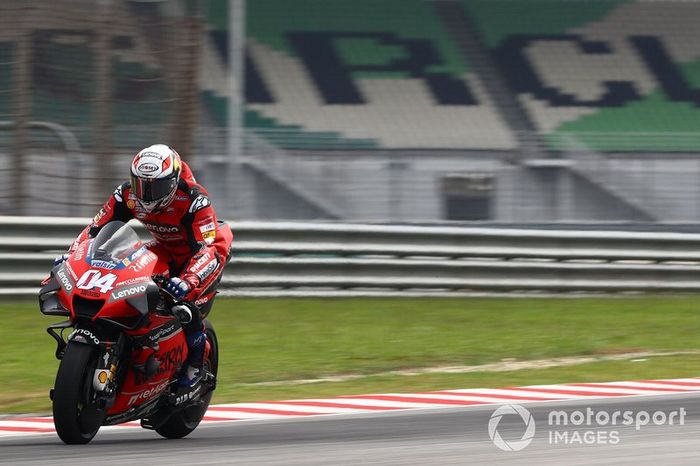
[105, 377]
[104, 380]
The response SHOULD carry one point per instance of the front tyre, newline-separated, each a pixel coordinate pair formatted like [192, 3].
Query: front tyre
[75, 416]
[184, 422]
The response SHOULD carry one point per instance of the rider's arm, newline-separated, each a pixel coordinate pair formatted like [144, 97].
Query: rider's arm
[201, 225]
[114, 209]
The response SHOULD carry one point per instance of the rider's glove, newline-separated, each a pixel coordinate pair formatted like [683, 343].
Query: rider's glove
[60, 259]
[183, 313]
[177, 288]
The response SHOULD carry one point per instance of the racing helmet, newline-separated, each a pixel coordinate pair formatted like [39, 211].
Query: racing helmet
[155, 173]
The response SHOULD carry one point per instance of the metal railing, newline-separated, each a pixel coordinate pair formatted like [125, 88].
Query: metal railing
[333, 259]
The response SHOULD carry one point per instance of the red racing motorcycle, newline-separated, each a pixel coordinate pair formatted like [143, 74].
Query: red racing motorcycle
[122, 359]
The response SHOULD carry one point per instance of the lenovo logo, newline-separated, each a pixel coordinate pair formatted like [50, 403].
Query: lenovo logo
[134, 290]
[162, 228]
[61, 274]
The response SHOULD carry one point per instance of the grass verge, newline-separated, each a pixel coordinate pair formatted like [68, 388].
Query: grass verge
[286, 339]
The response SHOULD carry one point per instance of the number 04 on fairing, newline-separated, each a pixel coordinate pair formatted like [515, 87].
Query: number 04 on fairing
[122, 359]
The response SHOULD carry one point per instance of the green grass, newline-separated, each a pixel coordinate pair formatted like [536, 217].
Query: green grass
[280, 340]
[655, 367]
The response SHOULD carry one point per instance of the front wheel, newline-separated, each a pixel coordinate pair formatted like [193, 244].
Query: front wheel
[184, 422]
[75, 416]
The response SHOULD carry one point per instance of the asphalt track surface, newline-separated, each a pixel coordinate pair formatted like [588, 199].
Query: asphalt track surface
[417, 437]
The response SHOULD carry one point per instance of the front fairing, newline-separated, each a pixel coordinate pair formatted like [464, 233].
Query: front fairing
[109, 278]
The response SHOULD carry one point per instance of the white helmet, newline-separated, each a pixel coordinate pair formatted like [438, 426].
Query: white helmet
[155, 173]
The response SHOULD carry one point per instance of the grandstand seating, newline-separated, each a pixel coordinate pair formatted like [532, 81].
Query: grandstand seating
[597, 72]
[359, 74]
[387, 74]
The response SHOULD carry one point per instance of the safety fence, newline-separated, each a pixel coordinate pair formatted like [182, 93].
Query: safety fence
[334, 259]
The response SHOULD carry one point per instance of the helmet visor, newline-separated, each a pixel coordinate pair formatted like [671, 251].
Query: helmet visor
[148, 190]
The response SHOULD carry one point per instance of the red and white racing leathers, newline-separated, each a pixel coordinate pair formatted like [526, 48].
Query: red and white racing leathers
[187, 234]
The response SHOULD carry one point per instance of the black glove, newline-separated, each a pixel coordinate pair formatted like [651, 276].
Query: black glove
[183, 312]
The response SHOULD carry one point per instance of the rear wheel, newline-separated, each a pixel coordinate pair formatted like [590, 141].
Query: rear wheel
[75, 416]
[184, 422]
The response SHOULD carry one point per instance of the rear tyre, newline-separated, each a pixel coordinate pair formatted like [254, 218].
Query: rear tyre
[183, 423]
[75, 416]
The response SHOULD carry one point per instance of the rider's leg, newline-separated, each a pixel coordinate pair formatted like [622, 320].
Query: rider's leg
[200, 306]
[194, 330]
[196, 344]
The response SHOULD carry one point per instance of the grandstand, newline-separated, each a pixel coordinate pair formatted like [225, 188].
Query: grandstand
[361, 74]
[400, 110]
[601, 71]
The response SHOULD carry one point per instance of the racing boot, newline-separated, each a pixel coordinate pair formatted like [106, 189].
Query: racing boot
[193, 369]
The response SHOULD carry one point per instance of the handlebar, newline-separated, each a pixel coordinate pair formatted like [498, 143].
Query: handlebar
[160, 280]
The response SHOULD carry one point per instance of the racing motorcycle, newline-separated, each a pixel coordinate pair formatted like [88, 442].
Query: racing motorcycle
[122, 358]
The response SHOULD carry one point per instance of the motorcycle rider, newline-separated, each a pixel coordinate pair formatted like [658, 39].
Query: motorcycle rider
[164, 196]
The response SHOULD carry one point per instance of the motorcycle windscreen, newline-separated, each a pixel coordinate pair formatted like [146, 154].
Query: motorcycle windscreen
[115, 241]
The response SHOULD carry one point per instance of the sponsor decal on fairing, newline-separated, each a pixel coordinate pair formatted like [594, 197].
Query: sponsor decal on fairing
[132, 281]
[80, 251]
[163, 332]
[188, 396]
[127, 292]
[148, 393]
[70, 271]
[65, 281]
[103, 264]
[84, 335]
[138, 253]
[143, 261]
[94, 279]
